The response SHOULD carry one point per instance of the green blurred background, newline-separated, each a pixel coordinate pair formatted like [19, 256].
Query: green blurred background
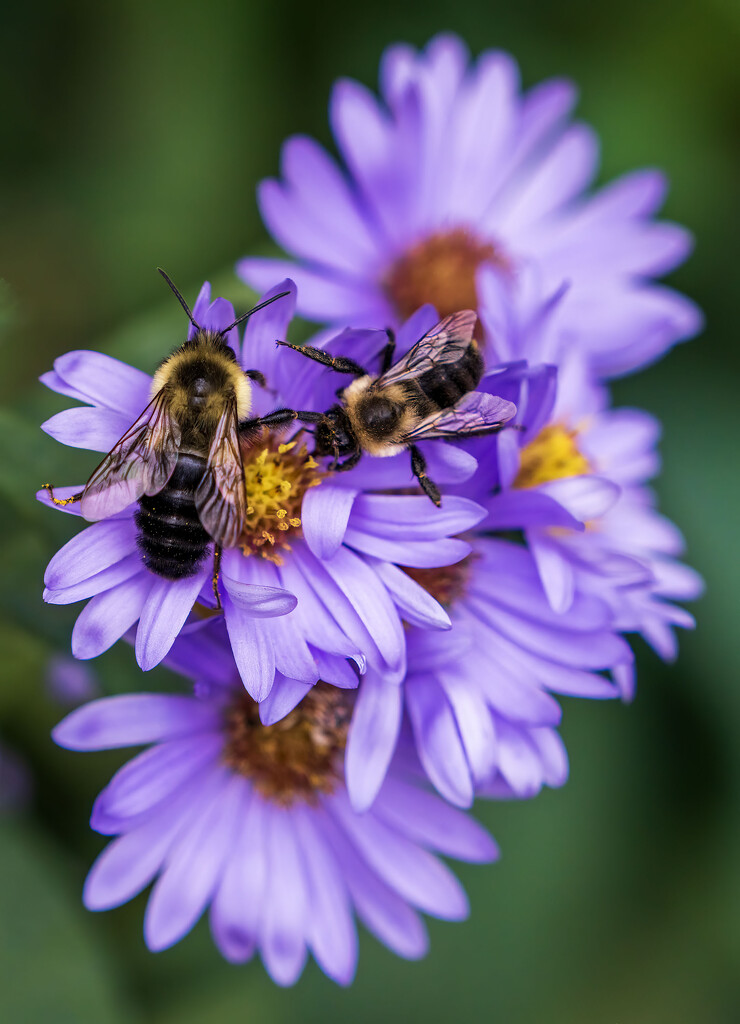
[134, 135]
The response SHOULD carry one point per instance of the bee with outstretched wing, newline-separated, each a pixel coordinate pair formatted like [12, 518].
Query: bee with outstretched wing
[181, 460]
[428, 393]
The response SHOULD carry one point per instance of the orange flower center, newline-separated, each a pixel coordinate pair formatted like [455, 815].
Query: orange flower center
[441, 270]
[445, 584]
[297, 757]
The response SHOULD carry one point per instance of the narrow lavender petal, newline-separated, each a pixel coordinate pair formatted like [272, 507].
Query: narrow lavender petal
[152, 776]
[371, 602]
[518, 759]
[193, 868]
[107, 579]
[164, 613]
[128, 864]
[418, 606]
[425, 819]
[133, 719]
[96, 548]
[293, 657]
[412, 872]
[109, 615]
[474, 724]
[254, 600]
[381, 909]
[60, 493]
[396, 516]
[553, 755]
[372, 737]
[556, 572]
[238, 904]
[438, 742]
[418, 554]
[325, 513]
[282, 698]
[331, 929]
[96, 429]
[585, 497]
[283, 926]
[513, 510]
[253, 651]
[54, 382]
[105, 381]
[265, 328]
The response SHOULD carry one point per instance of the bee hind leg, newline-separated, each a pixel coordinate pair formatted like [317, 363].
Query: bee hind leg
[61, 501]
[216, 573]
[419, 469]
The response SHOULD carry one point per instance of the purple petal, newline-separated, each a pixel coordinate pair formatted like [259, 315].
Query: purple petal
[556, 572]
[282, 698]
[107, 579]
[92, 550]
[95, 429]
[108, 616]
[164, 613]
[438, 741]
[585, 497]
[133, 719]
[382, 910]
[105, 381]
[372, 737]
[258, 601]
[432, 823]
[331, 929]
[419, 608]
[253, 651]
[412, 872]
[285, 914]
[193, 868]
[325, 513]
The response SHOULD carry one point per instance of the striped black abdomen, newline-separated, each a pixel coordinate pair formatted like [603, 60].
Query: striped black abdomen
[171, 537]
[446, 384]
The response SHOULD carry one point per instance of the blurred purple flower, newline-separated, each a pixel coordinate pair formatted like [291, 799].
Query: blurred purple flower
[254, 824]
[455, 171]
[70, 683]
[315, 584]
[15, 781]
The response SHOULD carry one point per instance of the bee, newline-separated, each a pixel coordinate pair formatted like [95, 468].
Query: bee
[429, 393]
[181, 460]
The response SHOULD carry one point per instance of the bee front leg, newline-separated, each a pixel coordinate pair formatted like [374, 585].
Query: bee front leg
[419, 469]
[349, 463]
[61, 501]
[216, 572]
[338, 363]
[388, 351]
[257, 376]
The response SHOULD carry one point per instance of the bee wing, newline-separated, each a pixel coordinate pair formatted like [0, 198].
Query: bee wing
[476, 413]
[221, 497]
[140, 463]
[445, 343]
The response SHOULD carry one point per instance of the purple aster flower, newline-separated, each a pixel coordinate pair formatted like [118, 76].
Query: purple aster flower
[15, 781]
[575, 483]
[253, 824]
[313, 576]
[69, 683]
[455, 170]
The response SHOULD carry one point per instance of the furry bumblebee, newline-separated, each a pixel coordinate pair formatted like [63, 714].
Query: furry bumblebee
[429, 393]
[181, 459]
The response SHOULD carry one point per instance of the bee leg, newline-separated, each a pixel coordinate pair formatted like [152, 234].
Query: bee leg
[386, 355]
[216, 571]
[257, 376]
[338, 363]
[350, 463]
[419, 469]
[61, 501]
[279, 418]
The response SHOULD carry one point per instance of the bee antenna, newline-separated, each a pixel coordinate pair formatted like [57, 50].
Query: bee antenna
[180, 299]
[249, 312]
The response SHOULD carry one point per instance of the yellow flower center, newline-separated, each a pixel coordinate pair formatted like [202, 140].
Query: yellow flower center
[552, 455]
[276, 476]
[298, 758]
[441, 270]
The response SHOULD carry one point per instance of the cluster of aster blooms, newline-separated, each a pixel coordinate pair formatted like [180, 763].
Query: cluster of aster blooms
[378, 662]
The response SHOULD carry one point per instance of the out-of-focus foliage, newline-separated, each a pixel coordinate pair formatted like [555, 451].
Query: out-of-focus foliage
[135, 135]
